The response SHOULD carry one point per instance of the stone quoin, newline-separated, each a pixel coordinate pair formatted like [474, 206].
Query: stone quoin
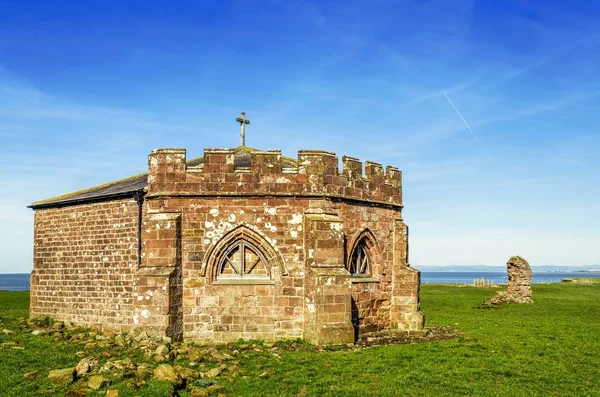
[240, 243]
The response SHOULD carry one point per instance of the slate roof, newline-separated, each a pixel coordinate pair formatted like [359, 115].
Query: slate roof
[129, 187]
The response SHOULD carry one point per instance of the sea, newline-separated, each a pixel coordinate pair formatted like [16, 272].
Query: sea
[498, 277]
[20, 281]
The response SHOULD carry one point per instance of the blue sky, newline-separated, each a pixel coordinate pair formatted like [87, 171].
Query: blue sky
[87, 89]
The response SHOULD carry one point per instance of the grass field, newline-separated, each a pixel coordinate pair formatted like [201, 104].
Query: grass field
[549, 348]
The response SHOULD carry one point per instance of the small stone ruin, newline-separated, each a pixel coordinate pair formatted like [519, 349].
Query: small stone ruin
[519, 284]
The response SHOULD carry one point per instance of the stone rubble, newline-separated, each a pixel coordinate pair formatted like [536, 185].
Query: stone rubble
[61, 376]
[114, 358]
[96, 382]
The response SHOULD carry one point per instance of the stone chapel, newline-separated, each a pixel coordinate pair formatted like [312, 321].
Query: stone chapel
[239, 243]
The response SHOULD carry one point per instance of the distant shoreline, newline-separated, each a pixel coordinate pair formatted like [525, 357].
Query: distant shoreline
[20, 281]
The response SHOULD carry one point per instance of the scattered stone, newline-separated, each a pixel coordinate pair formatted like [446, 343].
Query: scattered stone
[97, 382]
[264, 374]
[85, 365]
[37, 332]
[143, 372]
[187, 373]
[7, 331]
[194, 355]
[136, 383]
[59, 325]
[213, 373]
[112, 393]
[166, 372]
[198, 392]
[31, 375]
[61, 376]
[119, 340]
[77, 390]
[159, 359]
[519, 284]
[162, 350]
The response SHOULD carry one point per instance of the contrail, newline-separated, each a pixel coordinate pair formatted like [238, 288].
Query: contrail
[474, 136]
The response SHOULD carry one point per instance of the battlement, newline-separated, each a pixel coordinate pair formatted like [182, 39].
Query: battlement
[244, 171]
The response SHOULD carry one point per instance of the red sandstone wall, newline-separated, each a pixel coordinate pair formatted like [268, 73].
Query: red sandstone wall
[228, 312]
[215, 198]
[84, 257]
[372, 300]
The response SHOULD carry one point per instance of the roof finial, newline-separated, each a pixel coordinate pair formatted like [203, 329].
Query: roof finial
[242, 120]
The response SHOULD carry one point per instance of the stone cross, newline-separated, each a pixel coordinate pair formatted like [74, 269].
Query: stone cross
[242, 120]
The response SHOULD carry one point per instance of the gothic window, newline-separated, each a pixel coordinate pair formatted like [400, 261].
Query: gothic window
[242, 260]
[364, 259]
[360, 262]
[244, 256]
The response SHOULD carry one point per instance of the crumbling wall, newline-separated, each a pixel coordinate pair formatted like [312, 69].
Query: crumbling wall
[519, 284]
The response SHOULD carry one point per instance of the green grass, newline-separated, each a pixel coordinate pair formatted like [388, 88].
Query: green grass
[549, 348]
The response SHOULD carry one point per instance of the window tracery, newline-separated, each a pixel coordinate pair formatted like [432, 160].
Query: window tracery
[360, 262]
[244, 256]
[242, 260]
[364, 259]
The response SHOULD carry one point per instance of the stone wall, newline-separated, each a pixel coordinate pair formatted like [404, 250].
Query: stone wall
[84, 259]
[222, 312]
[217, 312]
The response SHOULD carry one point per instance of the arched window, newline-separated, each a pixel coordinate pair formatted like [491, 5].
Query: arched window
[244, 256]
[360, 262]
[242, 260]
[364, 258]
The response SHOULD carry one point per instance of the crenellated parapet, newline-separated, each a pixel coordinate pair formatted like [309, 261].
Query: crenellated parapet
[243, 171]
[166, 166]
[268, 162]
